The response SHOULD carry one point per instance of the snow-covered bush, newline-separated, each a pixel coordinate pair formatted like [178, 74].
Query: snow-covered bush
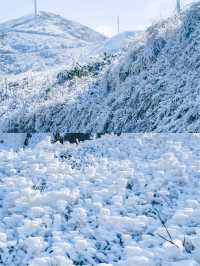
[153, 88]
[80, 71]
[104, 212]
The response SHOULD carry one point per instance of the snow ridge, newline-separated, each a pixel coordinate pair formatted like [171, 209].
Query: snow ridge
[36, 44]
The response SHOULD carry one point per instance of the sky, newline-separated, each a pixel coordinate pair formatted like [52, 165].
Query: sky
[100, 15]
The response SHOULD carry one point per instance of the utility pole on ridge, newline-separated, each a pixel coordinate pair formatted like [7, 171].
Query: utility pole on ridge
[35, 8]
[118, 24]
[178, 7]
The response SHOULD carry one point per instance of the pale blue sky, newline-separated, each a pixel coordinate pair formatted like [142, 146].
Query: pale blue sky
[97, 14]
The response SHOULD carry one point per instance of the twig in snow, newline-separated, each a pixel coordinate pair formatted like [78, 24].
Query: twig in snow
[170, 240]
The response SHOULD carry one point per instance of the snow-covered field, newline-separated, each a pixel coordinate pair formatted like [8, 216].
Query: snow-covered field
[104, 202]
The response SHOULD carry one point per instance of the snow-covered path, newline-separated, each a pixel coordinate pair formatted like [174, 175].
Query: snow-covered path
[99, 203]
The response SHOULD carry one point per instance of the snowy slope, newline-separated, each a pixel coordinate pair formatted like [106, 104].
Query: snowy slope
[30, 43]
[12, 141]
[52, 24]
[120, 42]
[19, 141]
[24, 95]
[153, 88]
[99, 203]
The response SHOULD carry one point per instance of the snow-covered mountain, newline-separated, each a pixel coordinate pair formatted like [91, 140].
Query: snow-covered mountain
[30, 43]
[155, 87]
[120, 42]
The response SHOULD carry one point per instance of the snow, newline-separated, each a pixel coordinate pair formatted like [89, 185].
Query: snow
[100, 202]
[120, 42]
[154, 87]
[12, 141]
[53, 24]
[42, 43]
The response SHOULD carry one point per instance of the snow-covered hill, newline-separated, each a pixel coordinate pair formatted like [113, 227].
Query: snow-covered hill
[154, 87]
[30, 43]
[102, 203]
[121, 42]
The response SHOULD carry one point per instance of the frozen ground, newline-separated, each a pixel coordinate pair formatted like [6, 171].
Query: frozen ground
[102, 202]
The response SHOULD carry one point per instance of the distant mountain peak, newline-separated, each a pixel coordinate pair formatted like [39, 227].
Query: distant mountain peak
[47, 22]
[43, 42]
